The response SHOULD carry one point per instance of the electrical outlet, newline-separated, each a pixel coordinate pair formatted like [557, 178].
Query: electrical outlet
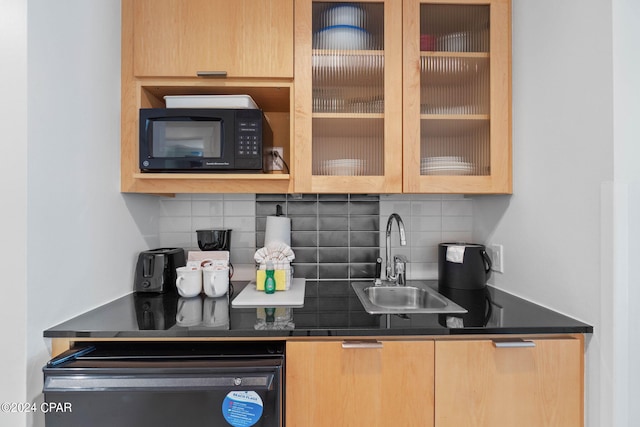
[496, 253]
[275, 162]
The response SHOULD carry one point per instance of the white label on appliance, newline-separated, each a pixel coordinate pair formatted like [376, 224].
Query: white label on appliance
[242, 408]
[455, 254]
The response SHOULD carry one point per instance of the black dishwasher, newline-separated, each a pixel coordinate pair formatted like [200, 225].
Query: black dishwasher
[166, 384]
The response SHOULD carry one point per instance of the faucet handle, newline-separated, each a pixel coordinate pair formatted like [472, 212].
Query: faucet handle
[400, 265]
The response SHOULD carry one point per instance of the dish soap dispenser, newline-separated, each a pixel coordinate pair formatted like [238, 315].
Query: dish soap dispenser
[269, 281]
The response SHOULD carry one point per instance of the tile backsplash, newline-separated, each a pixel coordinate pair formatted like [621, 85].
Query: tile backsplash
[333, 236]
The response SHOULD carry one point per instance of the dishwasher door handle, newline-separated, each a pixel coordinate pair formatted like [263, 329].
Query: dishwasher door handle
[361, 344]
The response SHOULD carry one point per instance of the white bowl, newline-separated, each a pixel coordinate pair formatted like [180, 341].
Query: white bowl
[344, 14]
[345, 37]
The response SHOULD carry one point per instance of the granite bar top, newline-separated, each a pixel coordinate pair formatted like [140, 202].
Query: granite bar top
[331, 308]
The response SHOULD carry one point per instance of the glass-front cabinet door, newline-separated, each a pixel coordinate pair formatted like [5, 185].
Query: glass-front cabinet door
[348, 96]
[457, 96]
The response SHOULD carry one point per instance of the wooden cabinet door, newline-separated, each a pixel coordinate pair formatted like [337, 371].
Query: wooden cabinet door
[376, 385]
[478, 384]
[457, 96]
[348, 98]
[244, 38]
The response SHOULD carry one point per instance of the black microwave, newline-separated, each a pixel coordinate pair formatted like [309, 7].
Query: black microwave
[203, 139]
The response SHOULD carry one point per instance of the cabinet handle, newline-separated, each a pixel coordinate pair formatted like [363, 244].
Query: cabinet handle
[513, 343]
[212, 74]
[361, 344]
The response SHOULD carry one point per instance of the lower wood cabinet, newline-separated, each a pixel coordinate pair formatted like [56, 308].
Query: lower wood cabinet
[441, 383]
[479, 383]
[380, 383]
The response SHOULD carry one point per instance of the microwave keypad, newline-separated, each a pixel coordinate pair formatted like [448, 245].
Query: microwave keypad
[248, 139]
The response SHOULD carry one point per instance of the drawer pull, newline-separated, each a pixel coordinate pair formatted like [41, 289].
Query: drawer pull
[513, 343]
[212, 74]
[361, 344]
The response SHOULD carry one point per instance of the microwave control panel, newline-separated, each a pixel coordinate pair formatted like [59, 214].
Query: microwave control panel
[249, 138]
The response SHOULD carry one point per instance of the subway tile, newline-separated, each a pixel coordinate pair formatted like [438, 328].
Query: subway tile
[259, 239]
[175, 240]
[333, 197]
[175, 224]
[333, 208]
[457, 207]
[364, 238]
[242, 256]
[333, 271]
[426, 208]
[362, 270]
[457, 236]
[302, 197]
[240, 196]
[364, 197]
[425, 239]
[401, 207]
[333, 238]
[269, 208]
[242, 239]
[261, 223]
[304, 223]
[302, 208]
[204, 222]
[329, 223]
[171, 208]
[239, 207]
[306, 255]
[271, 197]
[333, 255]
[457, 223]
[207, 196]
[424, 254]
[363, 254]
[308, 271]
[425, 223]
[240, 223]
[364, 208]
[364, 223]
[304, 239]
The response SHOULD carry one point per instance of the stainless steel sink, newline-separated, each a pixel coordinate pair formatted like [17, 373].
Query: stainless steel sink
[416, 297]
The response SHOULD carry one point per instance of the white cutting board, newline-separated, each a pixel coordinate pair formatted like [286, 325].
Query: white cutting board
[250, 297]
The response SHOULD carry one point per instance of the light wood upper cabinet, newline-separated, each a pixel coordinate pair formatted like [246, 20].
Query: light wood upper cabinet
[165, 43]
[243, 38]
[348, 97]
[415, 99]
[380, 384]
[457, 96]
[478, 384]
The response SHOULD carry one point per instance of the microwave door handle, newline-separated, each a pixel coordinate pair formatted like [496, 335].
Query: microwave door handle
[219, 74]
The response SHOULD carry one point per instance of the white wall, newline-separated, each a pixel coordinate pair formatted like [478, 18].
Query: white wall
[626, 90]
[83, 235]
[559, 219]
[13, 211]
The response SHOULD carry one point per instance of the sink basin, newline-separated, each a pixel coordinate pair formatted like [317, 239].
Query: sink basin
[416, 297]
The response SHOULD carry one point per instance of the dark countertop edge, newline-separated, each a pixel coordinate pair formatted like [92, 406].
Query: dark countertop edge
[225, 334]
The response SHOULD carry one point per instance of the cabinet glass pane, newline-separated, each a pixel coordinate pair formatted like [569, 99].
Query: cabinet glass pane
[348, 88]
[454, 90]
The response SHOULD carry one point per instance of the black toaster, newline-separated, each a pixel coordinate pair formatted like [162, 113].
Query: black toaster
[156, 270]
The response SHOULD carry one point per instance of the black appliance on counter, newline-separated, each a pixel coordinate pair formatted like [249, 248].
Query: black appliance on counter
[462, 266]
[156, 270]
[167, 384]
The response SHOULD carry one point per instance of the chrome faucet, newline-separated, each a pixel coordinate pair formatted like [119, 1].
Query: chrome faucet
[395, 271]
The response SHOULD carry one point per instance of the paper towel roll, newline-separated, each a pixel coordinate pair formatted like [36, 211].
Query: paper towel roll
[278, 230]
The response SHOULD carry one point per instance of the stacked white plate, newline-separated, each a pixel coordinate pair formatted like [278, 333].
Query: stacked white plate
[347, 167]
[445, 165]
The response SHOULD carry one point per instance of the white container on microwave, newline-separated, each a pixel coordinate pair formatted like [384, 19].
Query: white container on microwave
[210, 101]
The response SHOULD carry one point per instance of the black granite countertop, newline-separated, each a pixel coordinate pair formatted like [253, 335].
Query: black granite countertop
[331, 308]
